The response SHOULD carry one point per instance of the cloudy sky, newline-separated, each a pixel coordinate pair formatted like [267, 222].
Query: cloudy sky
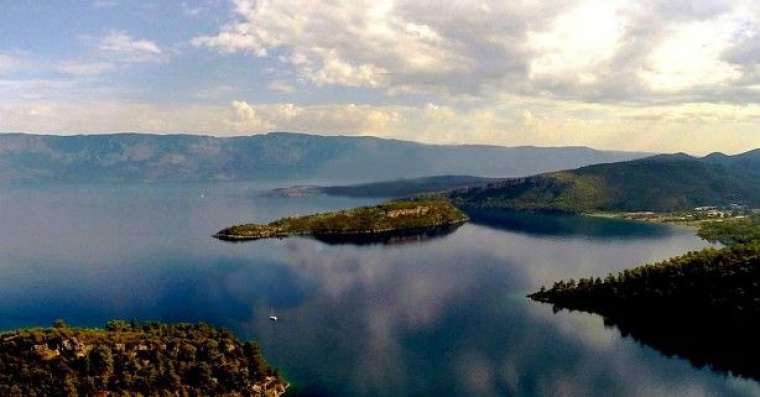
[671, 75]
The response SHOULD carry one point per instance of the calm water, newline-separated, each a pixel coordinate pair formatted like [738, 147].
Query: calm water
[444, 317]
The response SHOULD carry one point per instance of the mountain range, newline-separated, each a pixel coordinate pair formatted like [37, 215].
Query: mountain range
[276, 156]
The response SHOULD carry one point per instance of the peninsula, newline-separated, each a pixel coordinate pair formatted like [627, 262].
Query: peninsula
[717, 281]
[394, 217]
[703, 305]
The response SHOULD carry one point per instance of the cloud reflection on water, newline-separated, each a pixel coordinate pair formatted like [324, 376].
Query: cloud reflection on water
[444, 317]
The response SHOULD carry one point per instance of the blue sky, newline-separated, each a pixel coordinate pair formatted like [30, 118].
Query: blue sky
[677, 75]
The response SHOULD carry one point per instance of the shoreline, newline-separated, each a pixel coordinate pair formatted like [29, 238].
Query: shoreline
[344, 234]
[660, 218]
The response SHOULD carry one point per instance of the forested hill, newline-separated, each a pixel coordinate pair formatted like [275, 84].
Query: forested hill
[659, 183]
[271, 157]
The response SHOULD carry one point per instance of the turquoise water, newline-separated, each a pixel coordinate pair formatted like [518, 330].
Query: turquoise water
[445, 316]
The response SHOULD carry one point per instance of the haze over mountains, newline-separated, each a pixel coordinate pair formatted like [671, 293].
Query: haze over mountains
[270, 157]
[659, 183]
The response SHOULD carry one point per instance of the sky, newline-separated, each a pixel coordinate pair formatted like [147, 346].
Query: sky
[664, 76]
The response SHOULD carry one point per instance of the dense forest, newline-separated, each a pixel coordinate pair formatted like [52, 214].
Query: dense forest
[660, 183]
[718, 282]
[394, 216]
[129, 358]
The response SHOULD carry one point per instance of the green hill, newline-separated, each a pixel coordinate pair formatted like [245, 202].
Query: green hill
[659, 183]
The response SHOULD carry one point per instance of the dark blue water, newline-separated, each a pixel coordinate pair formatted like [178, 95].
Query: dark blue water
[442, 317]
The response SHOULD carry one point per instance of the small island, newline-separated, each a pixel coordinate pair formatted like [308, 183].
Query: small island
[391, 218]
[129, 358]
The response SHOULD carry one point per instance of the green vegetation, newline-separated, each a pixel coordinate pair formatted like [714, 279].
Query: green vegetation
[713, 282]
[733, 231]
[127, 358]
[687, 217]
[661, 183]
[391, 217]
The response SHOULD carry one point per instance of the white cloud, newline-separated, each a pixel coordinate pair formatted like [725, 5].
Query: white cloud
[35, 89]
[691, 56]
[79, 68]
[347, 43]
[8, 63]
[595, 50]
[349, 119]
[645, 75]
[578, 42]
[129, 49]
[282, 87]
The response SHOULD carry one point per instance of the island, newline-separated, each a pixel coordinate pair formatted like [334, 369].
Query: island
[397, 217]
[131, 358]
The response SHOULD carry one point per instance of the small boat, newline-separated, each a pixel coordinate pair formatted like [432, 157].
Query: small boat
[273, 318]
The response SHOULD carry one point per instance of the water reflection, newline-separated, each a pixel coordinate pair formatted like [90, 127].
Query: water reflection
[722, 345]
[390, 238]
[385, 238]
[557, 225]
[447, 317]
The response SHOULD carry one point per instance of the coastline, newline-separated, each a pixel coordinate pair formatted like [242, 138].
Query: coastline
[660, 218]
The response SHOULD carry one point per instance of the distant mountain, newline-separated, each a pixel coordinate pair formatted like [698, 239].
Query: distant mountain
[273, 156]
[396, 188]
[658, 183]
